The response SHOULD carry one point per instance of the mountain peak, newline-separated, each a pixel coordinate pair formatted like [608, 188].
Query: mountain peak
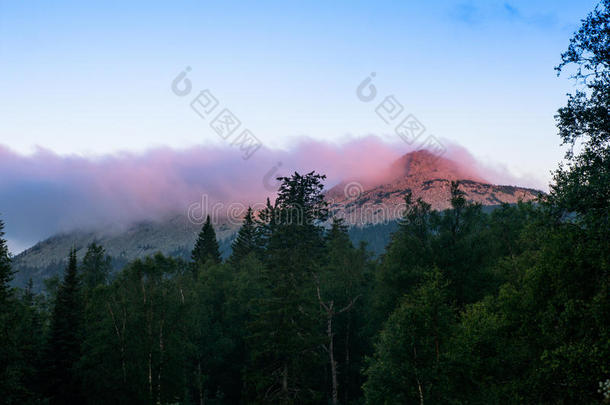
[426, 176]
[425, 165]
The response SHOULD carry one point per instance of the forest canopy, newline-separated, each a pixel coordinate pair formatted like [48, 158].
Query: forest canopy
[464, 306]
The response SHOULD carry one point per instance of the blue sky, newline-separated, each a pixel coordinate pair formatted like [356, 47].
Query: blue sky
[91, 78]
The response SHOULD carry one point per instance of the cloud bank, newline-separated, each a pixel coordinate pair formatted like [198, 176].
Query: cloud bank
[44, 193]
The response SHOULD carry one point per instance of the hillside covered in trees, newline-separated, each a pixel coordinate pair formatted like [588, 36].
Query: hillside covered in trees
[463, 307]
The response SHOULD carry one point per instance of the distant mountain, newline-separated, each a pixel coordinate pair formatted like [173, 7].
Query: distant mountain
[426, 176]
[370, 206]
[173, 236]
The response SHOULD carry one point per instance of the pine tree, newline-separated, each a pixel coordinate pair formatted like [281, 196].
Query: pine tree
[6, 272]
[64, 345]
[96, 266]
[31, 344]
[206, 247]
[9, 355]
[245, 242]
[285, 334]
[266, 222]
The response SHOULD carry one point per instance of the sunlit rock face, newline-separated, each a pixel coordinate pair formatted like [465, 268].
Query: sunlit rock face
[426, 176]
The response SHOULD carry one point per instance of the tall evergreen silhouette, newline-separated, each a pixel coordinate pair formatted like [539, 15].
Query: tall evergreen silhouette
[206, 247]
[8, 345]
[64, 345]
[6, 272]
[96, 266]
[245, 242]
[284, 337]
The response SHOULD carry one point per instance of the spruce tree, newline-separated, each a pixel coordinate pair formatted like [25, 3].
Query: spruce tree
[245, 242]
[6, 272]
[265, 225]
[9, 356]
[340, 286]
[30, 337]
[285, 335]
[206, 247]
[64, 345]
[96, 266]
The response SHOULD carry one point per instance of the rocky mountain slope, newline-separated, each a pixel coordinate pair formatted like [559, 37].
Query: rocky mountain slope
[173, 236]
[427, 177]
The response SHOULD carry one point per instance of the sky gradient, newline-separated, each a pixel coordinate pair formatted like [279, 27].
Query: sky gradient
[93, 79]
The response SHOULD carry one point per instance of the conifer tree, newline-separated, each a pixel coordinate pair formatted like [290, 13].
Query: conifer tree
[265, 224]
[6, 272]
[96, 266]
[9, 383]
[407, 256]
[31, 343]
[64, 345]
[245, 242]
[339, 285]
[285, 334]
[206, 247]
[461, 249]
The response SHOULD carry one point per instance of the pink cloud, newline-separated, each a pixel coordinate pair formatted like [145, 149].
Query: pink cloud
[44, 193]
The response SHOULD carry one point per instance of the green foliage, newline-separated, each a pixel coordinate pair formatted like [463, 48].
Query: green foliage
[410, 361]
[342, 283]
[206, 246]
[9, 355]
[408, 255]
[245, 242]
[214, 337]
[284, 340]
[461, 249]
[96, 266]
[134, 348]
[464, 307]
[457, 241]
[6, 272]
[65, 336]
[30, 336]
[583, 185]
